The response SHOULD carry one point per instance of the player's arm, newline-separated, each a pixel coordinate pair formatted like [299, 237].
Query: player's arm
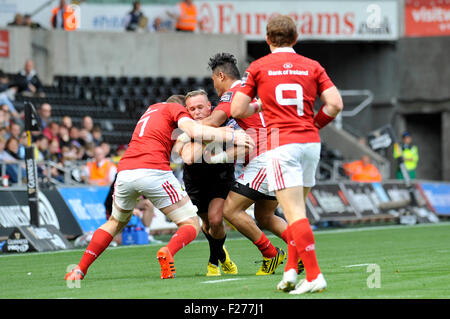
[200, 132]
[216, 119]
[243, 107]
[191, 152]
[332, 106]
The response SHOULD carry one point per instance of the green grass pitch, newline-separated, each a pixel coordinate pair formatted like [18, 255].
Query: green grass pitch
[392, 262]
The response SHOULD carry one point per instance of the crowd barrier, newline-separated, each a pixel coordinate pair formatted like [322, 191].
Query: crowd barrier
[75, 210]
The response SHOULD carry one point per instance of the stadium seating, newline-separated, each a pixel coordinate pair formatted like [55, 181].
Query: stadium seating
[115, 103]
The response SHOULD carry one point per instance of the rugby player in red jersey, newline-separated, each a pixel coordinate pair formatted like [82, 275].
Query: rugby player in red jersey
[145, 170]
[251, 186]
[287, 85]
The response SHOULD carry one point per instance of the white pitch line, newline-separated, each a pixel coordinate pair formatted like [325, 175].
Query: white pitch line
[358, 265]
[221, 280]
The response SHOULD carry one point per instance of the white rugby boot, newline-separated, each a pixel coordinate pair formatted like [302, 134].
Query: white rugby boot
[317, 285]
[288, 282]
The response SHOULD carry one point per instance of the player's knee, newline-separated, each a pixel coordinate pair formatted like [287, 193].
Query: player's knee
[120, 216]
[263, 220]
[184, 214]
[216, 223]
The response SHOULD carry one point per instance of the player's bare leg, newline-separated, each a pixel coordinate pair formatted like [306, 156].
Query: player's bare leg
[292, 201]
[234, 213]
[181, 213]
[264, 215]
[100, 241]
[216, 235]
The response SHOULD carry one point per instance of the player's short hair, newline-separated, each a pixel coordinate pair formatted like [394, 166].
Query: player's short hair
[281, 31]
[195, 93]
[226, 63]
[176, 98]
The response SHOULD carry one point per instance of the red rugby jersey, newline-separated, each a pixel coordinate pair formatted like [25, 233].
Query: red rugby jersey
[152, 140]
[287, 84]
[254, 125]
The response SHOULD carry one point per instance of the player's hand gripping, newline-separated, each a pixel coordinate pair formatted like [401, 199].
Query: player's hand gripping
[243, 139]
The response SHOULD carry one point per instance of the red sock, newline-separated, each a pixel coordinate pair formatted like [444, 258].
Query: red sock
[184, 235]
[304, 240]
[292, 255]
[265, 247]
[284, 235]
[100, 240]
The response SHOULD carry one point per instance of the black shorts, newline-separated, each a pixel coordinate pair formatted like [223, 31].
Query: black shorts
[247, 191]
[201, 196]
[204, 182]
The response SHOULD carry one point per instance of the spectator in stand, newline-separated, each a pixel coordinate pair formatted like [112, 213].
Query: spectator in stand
[63, 136]
[28, 81]
[54, 151]
[106, 148]
[17, 22]
[410, 153]
[56, 157]
[135, 18]
[119, 153]
[14, 130]
[9, 108]
[51, 131]
[23, 143]
[97, 136]
[28, 22]
[42, 153]
[9, 160]
[185, 15]
[74, 133]
[362, 170]
[101, 171]
[88, 151]
[5, 120]
[87, 124]
[66, 121]
[16, 169]
[45, 113]
[7, 90]
[78, 150]
[64, 17]
[161, 24]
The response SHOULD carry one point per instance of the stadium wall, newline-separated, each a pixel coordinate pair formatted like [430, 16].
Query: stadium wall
[92, 53]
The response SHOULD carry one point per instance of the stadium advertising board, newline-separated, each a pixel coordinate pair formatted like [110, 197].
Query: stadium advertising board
[15, 212]
[364, 198]
[438, 196]
[327, 202]
[4, 44]
[427, 18]
[86, 205]
[322, 20]
[318, 20]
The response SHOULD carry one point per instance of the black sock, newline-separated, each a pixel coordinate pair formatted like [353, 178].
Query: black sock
[218, 247]
[213, 258]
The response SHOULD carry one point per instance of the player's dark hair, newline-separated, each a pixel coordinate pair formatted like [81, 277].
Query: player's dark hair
[226, 63]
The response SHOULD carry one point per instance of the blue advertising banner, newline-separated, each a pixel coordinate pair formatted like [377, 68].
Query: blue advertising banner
[438, 195]
[86, 205]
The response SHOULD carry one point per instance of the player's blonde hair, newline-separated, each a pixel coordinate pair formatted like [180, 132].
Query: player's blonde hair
[195, 93]
[281, 31]
[176, 98]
